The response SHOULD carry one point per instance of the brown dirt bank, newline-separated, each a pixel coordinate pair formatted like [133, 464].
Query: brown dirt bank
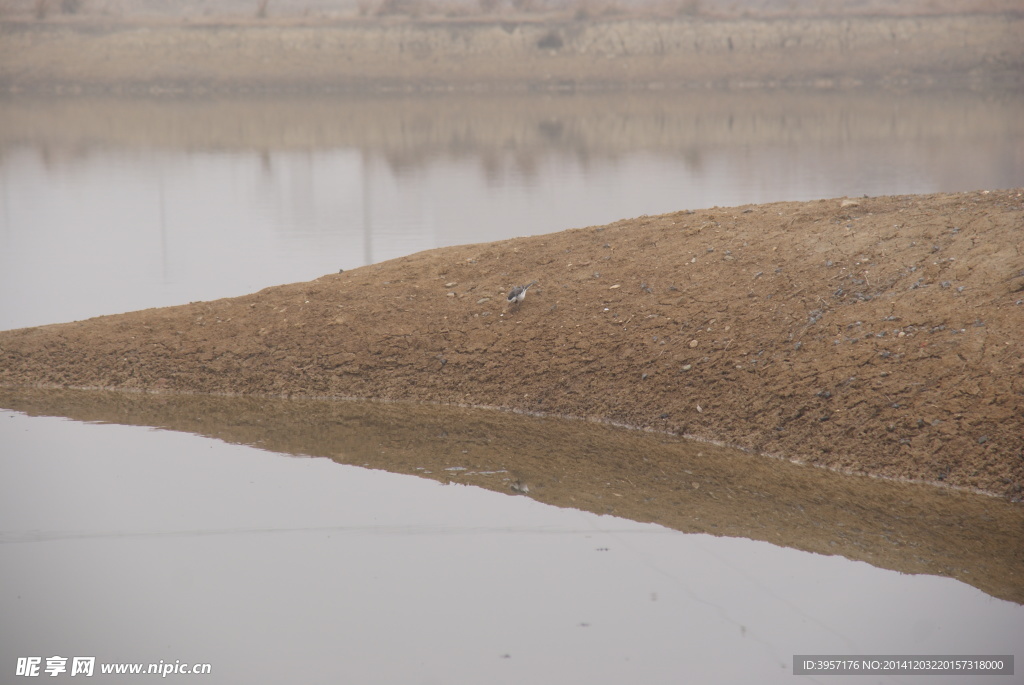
[687, 486]
[878, 336]
[397, 54]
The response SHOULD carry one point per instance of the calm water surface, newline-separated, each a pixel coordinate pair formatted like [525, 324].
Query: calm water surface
[110, 206]
[130, 544]
[138, 545]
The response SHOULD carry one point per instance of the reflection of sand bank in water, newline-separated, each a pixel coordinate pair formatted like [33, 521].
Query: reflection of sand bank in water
[691, 487]
[444, 54]
[412, 130]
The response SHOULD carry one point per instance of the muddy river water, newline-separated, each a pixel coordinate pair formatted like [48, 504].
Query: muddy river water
[453, 547]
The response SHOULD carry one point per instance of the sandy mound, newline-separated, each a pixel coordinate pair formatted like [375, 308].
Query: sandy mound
[876, 335]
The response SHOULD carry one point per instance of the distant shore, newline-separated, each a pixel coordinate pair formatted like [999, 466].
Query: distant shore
[558, 54]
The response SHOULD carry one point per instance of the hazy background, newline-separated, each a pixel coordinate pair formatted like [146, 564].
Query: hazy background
[332, 9]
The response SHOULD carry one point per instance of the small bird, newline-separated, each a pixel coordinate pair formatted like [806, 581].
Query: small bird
[518, 293]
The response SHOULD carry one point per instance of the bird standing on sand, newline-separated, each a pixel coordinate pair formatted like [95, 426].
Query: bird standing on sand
[518, 293]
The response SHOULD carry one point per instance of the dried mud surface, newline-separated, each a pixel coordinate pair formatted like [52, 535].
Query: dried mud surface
[877, 336]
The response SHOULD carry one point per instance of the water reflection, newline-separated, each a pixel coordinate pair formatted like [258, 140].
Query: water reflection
[685, 486]
[135, 545]
[153, 203]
